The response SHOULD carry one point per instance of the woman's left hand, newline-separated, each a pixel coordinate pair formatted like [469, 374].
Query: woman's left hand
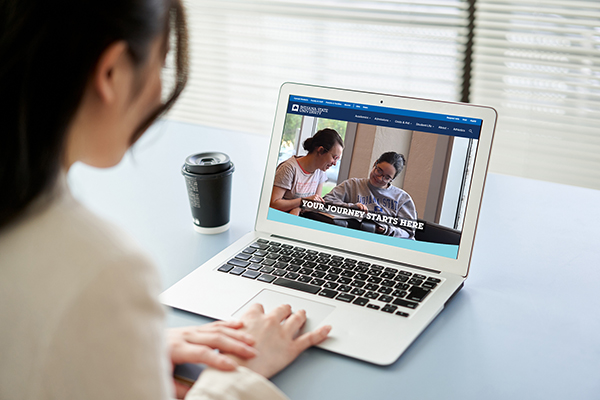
[197, 345]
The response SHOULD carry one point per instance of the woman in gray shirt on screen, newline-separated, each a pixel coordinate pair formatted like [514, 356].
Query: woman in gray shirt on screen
[377, 194]
[80, 82]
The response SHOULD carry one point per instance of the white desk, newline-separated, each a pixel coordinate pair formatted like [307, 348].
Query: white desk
[525, 326]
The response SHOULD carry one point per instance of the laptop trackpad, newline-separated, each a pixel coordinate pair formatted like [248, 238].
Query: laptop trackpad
[315, 311]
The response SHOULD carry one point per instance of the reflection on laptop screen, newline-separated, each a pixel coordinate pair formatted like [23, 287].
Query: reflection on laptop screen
[403, 178]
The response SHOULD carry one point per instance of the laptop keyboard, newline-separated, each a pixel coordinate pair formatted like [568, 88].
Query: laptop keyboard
[379, 288]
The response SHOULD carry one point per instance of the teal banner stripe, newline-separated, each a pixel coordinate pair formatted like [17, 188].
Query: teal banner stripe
[437, 249]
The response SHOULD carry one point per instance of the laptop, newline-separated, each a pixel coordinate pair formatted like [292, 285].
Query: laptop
[378, 291]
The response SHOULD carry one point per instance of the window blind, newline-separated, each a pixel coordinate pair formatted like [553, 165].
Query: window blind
[538, 64]
[242, 51]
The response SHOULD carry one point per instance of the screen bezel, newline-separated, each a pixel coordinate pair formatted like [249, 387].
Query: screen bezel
[460, 265]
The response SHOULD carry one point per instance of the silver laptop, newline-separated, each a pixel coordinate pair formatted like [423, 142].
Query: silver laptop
[378, 291]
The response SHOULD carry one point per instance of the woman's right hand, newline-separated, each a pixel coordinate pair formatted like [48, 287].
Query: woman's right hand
[275, 338]
[361, 206]
[314, 197]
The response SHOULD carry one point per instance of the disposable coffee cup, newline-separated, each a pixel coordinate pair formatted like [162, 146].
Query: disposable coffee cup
[208, 179]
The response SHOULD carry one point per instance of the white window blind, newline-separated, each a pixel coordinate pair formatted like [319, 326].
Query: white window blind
[242, 51]
[538, 64]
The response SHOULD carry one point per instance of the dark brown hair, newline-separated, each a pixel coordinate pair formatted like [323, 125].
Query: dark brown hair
[49, 50]
[397, 161]
[326, 138]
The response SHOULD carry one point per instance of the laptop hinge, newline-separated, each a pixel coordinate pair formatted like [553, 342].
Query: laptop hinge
[359, 254]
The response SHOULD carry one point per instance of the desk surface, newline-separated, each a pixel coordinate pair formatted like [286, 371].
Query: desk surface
[525, 325]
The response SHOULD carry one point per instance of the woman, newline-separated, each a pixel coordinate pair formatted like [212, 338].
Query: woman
[300, 178]
[81, 81]
[377, 194]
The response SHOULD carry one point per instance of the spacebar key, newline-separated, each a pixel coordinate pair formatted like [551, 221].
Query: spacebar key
[296, 285]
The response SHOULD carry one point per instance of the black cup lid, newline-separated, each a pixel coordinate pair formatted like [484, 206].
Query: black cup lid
[207, 163]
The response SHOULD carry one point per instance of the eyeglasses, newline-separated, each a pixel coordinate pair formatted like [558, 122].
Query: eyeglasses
[379, 172]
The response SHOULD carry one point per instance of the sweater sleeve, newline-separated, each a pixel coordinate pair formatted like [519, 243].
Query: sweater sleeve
[241, 384]
[338, 195]
[109, 342]
[406, 210]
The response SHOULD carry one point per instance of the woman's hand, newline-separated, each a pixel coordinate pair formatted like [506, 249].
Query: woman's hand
[275, 334]
[361, 206]
[314, 197]
[197, 345]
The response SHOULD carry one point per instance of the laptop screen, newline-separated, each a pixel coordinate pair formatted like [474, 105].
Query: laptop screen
[401, 178]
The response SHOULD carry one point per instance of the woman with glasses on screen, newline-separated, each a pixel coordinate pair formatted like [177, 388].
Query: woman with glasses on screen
[377, 194]
[300, 178]
[81, 82]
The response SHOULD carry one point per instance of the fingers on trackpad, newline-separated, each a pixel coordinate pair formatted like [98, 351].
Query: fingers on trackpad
[316, 312]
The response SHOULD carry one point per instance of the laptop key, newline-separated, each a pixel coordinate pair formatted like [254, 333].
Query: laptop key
[385, 298]
[296, 285]
[279, 272]
[292, 275]
[357, 291]
[305, 278]
[330, 285]
[344, 288]
[389, 309]
[417, 294]
[345, 297]
[261, 246]
[385, 290]
[360, 301]
[225, 268]
[318, 282]
[405, 303]
[249, 250]
[358, 283]
[372, 295]
[373, 306]
[268, 270]
[254, 267]
[238, 263]
[237, 271]
[251, 274]
[402, 314]
[243, 256]
[328, 293]
[266, 278]
[331, 277]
